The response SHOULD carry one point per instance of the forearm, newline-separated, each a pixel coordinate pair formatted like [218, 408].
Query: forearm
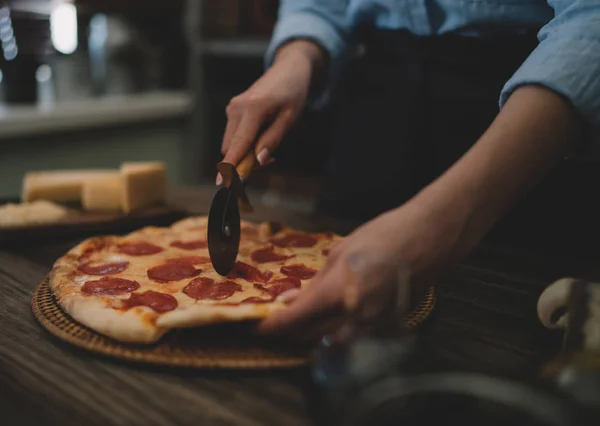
[315, 30]
[308, 52]
[530, 135]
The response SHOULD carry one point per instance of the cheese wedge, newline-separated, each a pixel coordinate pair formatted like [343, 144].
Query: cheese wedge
[144, 184]
[102, 193]
[59, 186]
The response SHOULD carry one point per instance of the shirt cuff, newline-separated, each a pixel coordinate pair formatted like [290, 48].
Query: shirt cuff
[312, 27]
[570, 67]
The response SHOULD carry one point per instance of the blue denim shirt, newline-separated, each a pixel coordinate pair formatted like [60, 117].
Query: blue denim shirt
[567, 60]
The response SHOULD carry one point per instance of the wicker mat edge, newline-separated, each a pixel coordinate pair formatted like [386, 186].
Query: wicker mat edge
[174, 348]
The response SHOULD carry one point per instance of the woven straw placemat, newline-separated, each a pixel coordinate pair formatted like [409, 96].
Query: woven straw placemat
[226, 346]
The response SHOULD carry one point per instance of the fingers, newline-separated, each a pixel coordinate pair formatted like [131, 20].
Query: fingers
[244, 124]
[243, 137]
[289, 296]
[270, 139]
[303, 307]
[305, 304]
[307, 307]
[233, 121]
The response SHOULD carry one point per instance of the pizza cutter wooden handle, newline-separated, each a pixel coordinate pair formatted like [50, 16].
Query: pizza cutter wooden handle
[247, 165]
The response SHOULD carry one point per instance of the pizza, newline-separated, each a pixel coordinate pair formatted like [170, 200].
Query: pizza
[135, 288]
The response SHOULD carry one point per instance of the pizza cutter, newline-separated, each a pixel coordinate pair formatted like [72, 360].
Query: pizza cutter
[224, 216]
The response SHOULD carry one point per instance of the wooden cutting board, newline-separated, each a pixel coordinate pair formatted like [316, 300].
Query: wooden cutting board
[90, 223]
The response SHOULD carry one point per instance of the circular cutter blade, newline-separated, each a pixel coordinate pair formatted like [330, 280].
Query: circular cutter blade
[223, 231]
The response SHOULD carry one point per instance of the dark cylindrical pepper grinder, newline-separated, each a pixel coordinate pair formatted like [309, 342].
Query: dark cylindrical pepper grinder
[373, 344]
[386, 377]
[25, 44]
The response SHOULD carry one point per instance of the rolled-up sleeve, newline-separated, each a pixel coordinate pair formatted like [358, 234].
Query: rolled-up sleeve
[567, 59]
[323, 22]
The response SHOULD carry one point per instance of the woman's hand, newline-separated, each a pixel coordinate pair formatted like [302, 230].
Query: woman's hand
[269, 108]
[444, 221]
[365, 272]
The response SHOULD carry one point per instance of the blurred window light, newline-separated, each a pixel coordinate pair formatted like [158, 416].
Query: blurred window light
[11, 52]
[6, 33]
[63, 25]
[4, 14]
[7, 37]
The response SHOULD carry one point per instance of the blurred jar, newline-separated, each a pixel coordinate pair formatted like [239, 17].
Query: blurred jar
[107, 35]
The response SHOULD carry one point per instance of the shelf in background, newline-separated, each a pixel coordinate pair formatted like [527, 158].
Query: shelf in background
[114, 110]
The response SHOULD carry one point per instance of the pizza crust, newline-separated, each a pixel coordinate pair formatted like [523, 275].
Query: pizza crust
[198, 314]
[110, 315]
[136, 325]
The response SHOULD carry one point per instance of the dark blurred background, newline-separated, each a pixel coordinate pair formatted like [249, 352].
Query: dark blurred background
[91, 83]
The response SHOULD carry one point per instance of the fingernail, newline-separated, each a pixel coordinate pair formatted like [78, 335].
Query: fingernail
[219, 180]
[288, 295]
[263, 156]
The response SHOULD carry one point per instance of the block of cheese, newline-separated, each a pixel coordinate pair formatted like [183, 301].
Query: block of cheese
[59, 185]
[144, 184]
[36, 212]
[102, 193]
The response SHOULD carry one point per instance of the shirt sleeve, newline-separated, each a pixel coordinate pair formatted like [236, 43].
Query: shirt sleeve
[321, 21]
[567, 59]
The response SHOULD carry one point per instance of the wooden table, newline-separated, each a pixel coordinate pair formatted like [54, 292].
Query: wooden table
[485, 320]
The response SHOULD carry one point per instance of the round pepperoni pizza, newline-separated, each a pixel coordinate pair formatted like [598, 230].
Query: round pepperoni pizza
[137, 287]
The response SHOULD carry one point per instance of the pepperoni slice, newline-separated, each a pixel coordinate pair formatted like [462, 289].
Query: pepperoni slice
[295, 240]
[192, 260]
[197, 286]
[299, 271]
[267, 254]
[190, 245]
[203, 288]
[109, 286]
[158, 302]
[172, 272]
[280, 286]
[103, 269]
[249, 273]
[138, 248]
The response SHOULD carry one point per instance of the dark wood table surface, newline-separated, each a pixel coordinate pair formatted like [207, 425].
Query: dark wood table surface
[485, 320]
